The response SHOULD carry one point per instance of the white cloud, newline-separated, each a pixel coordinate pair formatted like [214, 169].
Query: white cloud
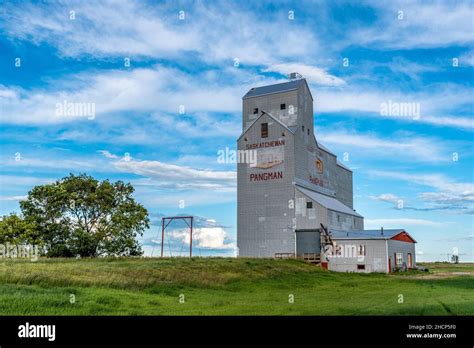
[168, 185]
[201, 125]
[7, 93]
[12, 198]
[99, 29]
[171, 196]
[107, 154]
[398, 223]
[447, 121]
[165, 185]
[437, 181]
[161, 91]
[436, 24]
[18, 180]
[458, 196]
[205, 237]
[213, 238]
[404, 148]
[313, 74]
[156, 31]
[161, 170]
[436, 106]
[148, 89]
[386, 197]
[467, 59]
[449, 197]
[49, 161]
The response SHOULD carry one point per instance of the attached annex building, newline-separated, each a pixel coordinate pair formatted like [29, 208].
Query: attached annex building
[294, 198]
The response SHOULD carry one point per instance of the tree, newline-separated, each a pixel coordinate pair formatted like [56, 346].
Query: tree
[80, 216]
[16, 230]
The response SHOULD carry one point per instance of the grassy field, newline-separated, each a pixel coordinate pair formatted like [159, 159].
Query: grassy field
[226, 286]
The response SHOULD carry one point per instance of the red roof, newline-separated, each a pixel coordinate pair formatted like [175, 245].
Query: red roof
[404, 237]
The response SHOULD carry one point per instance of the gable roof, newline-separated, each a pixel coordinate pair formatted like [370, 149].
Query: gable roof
[328, 202]
[369, 234]
[272, 117]
[277, 88]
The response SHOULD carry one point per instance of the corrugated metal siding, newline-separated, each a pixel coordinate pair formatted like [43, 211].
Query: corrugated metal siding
[374, 260]
[264, 218]
[395, 246]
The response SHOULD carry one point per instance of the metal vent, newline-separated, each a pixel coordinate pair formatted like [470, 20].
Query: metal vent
[294, 76]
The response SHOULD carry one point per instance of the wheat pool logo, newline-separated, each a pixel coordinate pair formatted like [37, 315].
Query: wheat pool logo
[319, 166]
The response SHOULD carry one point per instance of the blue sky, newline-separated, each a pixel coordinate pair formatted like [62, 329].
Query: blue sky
[403, 52]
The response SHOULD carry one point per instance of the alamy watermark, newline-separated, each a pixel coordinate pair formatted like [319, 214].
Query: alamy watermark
[22, 251]
[71, 109]
[396, 109]
[228, 156]
[348, 251]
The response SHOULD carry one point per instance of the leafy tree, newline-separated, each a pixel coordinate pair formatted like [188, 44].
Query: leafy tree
[78, 215]
[16, 230]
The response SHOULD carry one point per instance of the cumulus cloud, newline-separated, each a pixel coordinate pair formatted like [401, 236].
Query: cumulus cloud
[161, 170]
[412, 148]
[386, 197]
[436, 24]
[436, 106]
[398, 223]
[215, 238]
[200, 184]
[209, 237]
[100, 29]
[141, 90]
[313, 74]
[449, 195]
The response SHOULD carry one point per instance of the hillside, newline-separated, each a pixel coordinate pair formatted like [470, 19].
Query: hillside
[225, 286]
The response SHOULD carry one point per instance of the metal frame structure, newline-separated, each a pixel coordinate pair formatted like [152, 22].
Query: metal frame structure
[185, 219]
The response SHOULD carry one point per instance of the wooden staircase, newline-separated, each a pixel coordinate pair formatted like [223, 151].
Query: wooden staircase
[313, 258]
[325, 237]
[325, 241]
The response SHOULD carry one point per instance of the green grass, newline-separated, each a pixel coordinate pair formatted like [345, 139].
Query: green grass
[226, 286]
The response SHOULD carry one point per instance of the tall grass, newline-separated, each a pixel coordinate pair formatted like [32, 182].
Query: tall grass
[151, 286]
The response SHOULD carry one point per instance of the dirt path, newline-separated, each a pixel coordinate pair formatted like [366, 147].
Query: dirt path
[442, 275]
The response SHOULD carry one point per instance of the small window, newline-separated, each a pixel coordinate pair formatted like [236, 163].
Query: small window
[399, 259]
[255, 111]
[245, 139]
[360, 267]
[361, 250]
[282, 106]
[264, 130]
[302, 128]
[282, 134]
[309, 205]
[338, 218]
[308, 131]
